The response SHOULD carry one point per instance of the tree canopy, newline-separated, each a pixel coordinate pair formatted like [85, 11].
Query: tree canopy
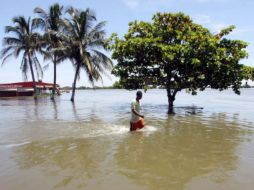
[174, 52]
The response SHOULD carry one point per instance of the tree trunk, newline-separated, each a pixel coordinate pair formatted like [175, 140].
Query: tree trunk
[74, 83]
[171, 99]
[171, 105]
[54, 84]
[32, 73]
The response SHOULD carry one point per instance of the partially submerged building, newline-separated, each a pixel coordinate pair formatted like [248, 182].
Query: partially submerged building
[26, 89]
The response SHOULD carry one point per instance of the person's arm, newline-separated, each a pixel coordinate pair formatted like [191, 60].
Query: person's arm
[136, 113]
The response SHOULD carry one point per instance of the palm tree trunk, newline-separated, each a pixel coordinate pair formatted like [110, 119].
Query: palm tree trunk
[32, 73]
[74, 83]
[54, 84]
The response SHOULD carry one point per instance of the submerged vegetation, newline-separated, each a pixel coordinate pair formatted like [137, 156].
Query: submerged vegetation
[72, 34]
[24, 42]
[169, 52]
[50, 23]
[174, 52]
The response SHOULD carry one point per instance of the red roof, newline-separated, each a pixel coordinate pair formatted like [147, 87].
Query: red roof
[27, 85]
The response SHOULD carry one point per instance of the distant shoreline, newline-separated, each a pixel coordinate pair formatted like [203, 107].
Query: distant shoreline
[112, 88]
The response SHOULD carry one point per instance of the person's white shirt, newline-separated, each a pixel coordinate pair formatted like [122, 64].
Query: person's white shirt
[136, 106]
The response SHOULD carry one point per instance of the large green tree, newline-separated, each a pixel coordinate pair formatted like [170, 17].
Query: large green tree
[25, 42]
[174, 52]
[50, 22]
[84, 41]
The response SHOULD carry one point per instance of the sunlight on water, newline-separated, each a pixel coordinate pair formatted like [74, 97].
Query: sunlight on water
[108, 130]
[148, 130]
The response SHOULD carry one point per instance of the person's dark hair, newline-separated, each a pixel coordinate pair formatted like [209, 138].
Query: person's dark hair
[139, 93]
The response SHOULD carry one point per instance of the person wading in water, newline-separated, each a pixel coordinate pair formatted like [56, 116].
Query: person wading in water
[137, 120]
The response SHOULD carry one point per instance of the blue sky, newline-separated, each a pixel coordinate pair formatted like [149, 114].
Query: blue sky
[213, 14]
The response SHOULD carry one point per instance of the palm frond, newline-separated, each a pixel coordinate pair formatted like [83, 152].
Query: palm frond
[63, 25]
[22, 24]
[11, 41]
[92, 73]
[46, 67]
[49, 20]
[91, 13]
[17, 51]
[6, 58]
[104, 60]
[6, 50]
[14, 30]
[46, 55]
[38, 68]
[38, 23]
[96, 44]
[55, 11]
[100, 68]
[87, 19]
[42, 13]
[71, 11]
[98, 27]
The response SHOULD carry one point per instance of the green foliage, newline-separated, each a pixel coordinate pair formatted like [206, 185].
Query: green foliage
[248, 73]
[174, 52]
[85, 40]
[117, 85]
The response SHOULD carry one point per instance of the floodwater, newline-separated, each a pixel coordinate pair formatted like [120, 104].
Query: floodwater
[48, 145]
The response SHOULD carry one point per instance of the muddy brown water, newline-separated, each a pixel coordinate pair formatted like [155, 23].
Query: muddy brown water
[87, 145]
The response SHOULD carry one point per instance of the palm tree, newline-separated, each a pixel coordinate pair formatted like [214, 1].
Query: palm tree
[83, 45]
[26, 42]
[50, 22]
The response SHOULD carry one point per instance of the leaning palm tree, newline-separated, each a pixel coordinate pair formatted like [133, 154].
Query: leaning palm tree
[83, 45]
[26, 42]
[50, 22]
